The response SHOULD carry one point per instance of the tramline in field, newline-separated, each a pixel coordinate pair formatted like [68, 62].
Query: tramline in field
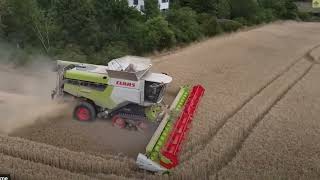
[129, 94]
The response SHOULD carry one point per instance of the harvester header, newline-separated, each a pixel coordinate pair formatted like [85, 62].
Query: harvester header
[162, 152]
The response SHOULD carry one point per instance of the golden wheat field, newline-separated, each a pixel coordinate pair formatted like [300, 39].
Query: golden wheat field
[259, 118]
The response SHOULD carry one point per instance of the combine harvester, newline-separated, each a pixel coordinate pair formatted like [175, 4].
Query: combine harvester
[132, 96]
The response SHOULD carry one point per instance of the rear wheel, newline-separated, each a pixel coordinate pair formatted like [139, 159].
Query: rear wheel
[119, 122]
[84, 112]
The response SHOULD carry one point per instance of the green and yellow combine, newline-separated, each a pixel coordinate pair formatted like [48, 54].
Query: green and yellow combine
[129, 94]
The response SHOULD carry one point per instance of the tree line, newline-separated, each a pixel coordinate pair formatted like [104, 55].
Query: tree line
[96, 31]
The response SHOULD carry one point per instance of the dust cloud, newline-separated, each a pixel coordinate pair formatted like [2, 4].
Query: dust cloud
[25, 92]
[27, 111]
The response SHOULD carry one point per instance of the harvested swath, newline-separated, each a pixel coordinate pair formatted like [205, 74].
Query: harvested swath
[224, 146]
[285, 144]
[23, 169]
[63, 158]
[233, 69]
[99, 138]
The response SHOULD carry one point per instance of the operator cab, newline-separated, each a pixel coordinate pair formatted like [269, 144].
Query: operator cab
[155, 86]
[137, 69]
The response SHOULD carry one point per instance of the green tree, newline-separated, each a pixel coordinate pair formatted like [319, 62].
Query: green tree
[285, 9]
[110, 51]
[243, 8]
[185, 3]
[158, 35]
[272, 4]
[46, 4]
[184, 24]
[136, 36]
[223, 9]
[99, 30]
[264, 16]
[116, 20]
[209, 24]
[73, 52]
[77, 21]
[27, 22]
[205, 6]
[3, 12]
[200, 6]
[151, 8]
[174, 4]
[229, 25]
[291, 10]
